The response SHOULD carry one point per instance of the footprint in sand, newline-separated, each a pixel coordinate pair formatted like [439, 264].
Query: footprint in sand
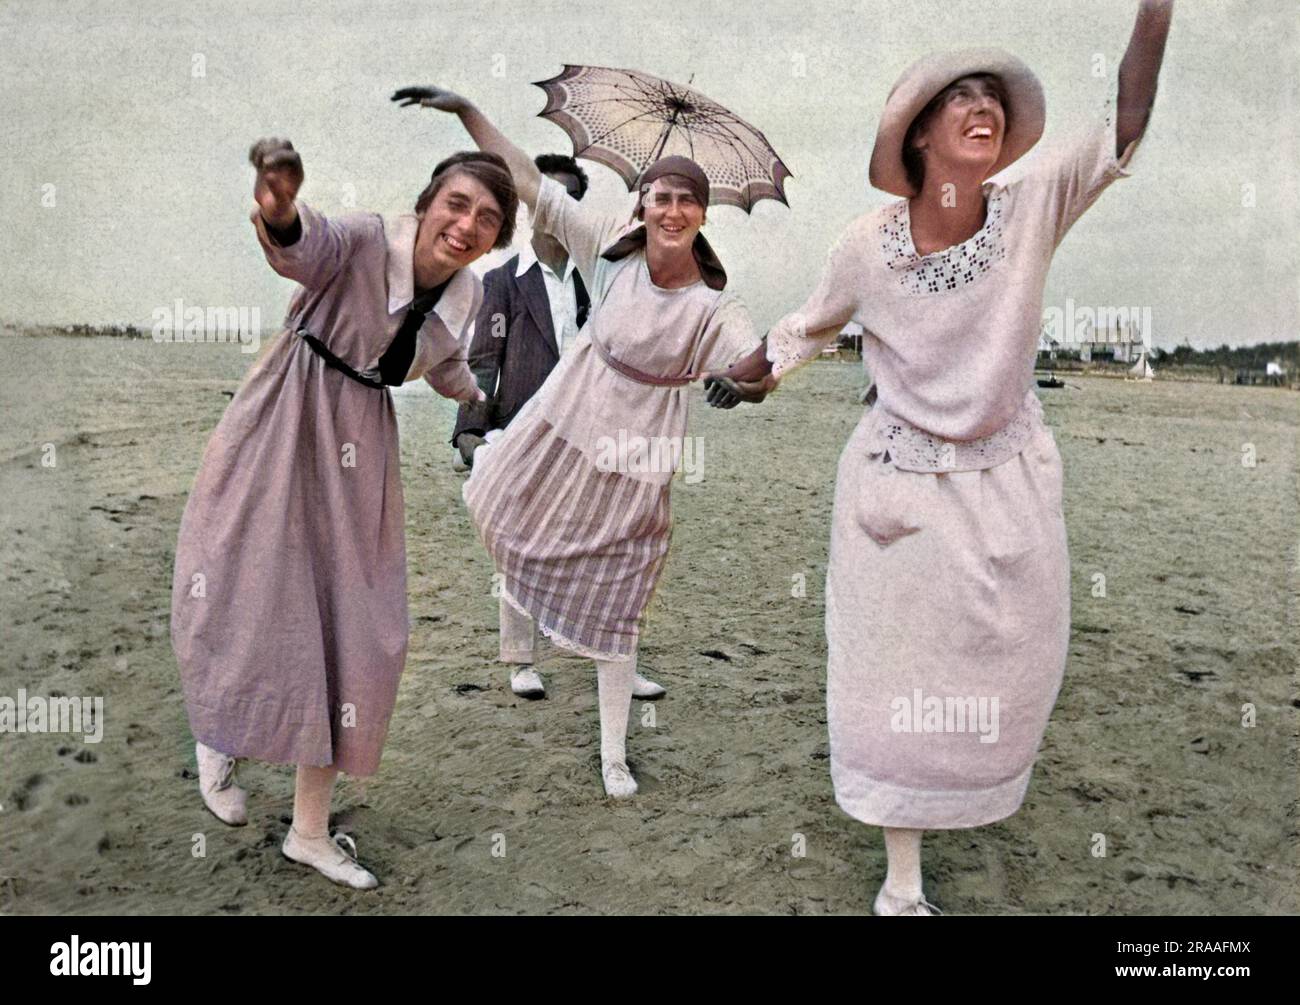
[25, 798]
[1196, 676]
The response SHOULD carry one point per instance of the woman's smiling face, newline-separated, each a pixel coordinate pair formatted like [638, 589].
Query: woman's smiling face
[673, 215]
[967, 129]
[459, 225]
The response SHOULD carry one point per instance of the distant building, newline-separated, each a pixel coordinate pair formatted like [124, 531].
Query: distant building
[1118, 334]
[1120, 343]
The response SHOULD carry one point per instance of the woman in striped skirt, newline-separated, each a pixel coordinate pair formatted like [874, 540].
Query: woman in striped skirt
[572, 499]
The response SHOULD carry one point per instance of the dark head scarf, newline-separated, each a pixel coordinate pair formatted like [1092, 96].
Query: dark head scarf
[711, 270]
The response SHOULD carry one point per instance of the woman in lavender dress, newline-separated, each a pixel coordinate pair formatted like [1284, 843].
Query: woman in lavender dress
[289, 616]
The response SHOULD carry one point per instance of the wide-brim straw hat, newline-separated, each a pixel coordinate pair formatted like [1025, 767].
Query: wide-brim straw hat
[920, 82]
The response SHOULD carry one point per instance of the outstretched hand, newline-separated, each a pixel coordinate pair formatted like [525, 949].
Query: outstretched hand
[747, 379]
[430, 97]
[279, 176]
[722, 391]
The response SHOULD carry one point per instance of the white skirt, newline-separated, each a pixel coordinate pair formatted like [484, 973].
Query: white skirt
[947, 620]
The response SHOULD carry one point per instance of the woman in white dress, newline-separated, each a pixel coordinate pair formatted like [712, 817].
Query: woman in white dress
[948, 592]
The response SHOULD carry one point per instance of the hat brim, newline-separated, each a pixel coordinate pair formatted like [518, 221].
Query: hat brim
[929, 75]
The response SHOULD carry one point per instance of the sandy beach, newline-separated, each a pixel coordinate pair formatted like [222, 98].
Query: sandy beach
[489, 804]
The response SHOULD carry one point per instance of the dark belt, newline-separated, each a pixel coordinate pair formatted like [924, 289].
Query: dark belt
[396, 360]
[332, 361]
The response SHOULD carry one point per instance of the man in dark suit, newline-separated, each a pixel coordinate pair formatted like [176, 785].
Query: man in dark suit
[533, 306]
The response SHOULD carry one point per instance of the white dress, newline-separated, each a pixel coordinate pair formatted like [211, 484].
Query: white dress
[947, 593]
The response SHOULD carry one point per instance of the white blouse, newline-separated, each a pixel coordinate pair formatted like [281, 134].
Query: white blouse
[951, 337]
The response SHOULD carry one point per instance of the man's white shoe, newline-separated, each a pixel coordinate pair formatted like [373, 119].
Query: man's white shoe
[334, 858]
[619, 783]
[527, 683]
[221, 795]
[644, 687]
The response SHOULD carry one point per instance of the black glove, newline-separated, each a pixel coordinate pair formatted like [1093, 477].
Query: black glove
[748, 379]
[467, 443]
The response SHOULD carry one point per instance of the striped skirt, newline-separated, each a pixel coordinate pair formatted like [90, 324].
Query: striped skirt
[580, 549]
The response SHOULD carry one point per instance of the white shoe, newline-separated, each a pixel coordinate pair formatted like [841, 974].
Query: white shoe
[887, 905]
[527, 683]
[334, 858]
[221, 795]
[619, 783]
[644, 687]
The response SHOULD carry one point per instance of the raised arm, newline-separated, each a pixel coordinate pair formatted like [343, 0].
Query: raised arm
[279, 176]
[480, 128]
[1140, 69]
[1069, 177]
[300, 243]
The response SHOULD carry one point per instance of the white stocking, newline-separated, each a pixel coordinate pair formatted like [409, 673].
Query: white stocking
[518, 635]
[903, 849]
[311, 801]
[614, 684]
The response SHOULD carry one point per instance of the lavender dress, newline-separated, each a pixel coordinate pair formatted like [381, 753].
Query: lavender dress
[289, 616]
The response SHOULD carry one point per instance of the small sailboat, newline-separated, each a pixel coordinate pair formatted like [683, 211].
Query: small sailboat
[1141, 370]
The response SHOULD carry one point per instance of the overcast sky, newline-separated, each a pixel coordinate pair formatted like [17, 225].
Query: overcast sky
[141, 120]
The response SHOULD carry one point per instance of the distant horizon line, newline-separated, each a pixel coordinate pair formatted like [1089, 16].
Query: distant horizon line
[21, 329]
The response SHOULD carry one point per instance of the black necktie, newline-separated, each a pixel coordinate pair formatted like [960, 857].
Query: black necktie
[395, 363]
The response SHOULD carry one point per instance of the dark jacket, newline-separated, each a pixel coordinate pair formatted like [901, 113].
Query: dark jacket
[511, 360]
